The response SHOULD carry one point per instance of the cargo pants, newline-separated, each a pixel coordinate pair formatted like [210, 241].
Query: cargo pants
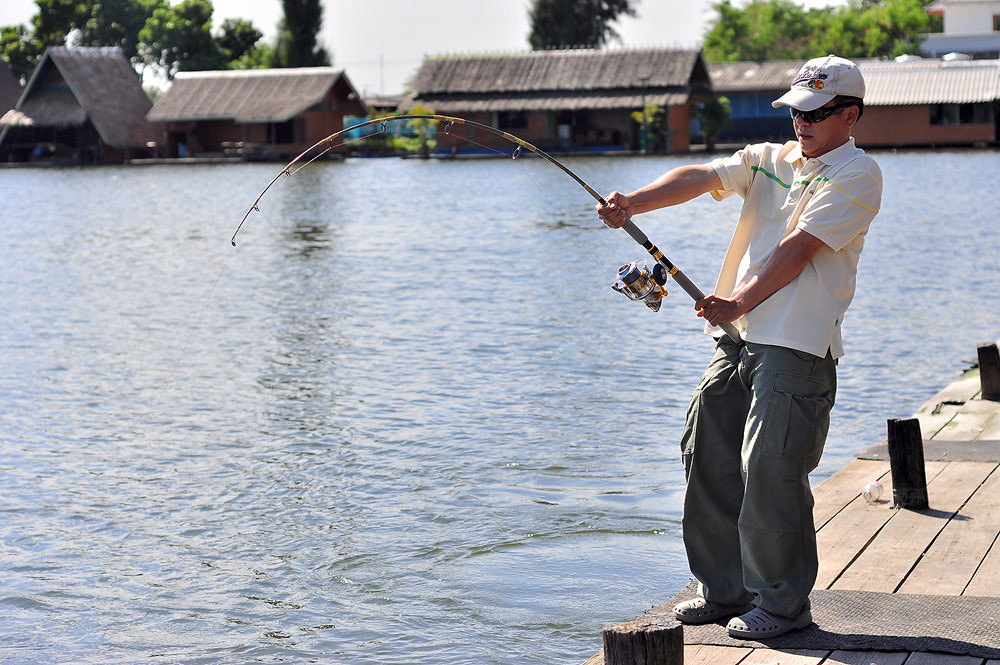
[755, 428]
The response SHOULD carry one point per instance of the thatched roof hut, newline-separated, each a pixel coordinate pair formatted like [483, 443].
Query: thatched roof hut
[83, 88]
[256, 111]
[575, 99]
[578, 79]
[253, 95]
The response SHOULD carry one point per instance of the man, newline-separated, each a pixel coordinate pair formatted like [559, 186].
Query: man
[758, 420]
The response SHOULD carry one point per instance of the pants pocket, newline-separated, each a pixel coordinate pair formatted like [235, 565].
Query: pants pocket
[797, 420]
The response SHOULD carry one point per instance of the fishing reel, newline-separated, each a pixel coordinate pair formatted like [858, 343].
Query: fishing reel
[637, 282]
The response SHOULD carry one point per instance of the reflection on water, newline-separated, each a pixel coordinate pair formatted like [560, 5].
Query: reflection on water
[406, 420]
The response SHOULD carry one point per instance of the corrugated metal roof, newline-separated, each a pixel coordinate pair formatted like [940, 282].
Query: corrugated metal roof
[568, 70]
[888, 83]
[103, 88]
[253, 95]
[931, 82]
[753, 76]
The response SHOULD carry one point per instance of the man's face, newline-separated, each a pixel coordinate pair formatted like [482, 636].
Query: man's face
[818, 136]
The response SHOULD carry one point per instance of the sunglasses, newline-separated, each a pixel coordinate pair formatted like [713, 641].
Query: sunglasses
[820, 114]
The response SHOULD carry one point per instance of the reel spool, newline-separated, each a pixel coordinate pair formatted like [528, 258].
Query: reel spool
[637, 282]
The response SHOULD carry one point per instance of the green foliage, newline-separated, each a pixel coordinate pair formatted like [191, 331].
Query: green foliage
[784, 30]
[297, 43]
[237, 41]
[419, 140]
[587, 23]
[714, 115]
[16, 48]
[652, 120]
[118, 23]
[179, 38]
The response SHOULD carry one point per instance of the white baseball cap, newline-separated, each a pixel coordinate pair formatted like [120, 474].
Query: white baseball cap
[820, 80]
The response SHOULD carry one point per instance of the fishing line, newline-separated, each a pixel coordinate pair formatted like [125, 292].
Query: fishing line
[514, 155]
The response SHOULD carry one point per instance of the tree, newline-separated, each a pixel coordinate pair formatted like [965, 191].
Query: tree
[297, 43]
[16, 48]
[560, 23]
[118, 23]
[784, 30]
[714, 115]
[179, 38]
[237, 41]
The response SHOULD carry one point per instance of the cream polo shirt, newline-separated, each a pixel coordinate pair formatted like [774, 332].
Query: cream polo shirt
[833, 197]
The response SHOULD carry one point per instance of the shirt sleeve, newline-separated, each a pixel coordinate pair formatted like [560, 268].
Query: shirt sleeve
[735, 173]
[844, 206]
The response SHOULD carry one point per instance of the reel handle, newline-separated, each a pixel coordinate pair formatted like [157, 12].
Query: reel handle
[682, 280]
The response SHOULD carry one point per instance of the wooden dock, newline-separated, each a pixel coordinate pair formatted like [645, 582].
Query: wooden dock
[951, 549]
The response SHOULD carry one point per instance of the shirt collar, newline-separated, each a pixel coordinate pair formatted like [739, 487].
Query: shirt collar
[841, 153]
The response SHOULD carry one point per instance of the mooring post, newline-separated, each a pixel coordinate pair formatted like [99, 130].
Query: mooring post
[644, 641]
[906, 461]
[989, 371]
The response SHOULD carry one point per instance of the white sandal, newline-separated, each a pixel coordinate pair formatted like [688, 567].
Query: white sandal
[699, 610]
[758, 623]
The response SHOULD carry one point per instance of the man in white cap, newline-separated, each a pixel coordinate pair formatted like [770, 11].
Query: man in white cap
[758, 420]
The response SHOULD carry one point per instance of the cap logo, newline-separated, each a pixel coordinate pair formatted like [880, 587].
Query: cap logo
[811, 78]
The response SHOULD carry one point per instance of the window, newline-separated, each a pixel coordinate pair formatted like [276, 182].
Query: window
[961, 114]
[996, 23]
[512, 120]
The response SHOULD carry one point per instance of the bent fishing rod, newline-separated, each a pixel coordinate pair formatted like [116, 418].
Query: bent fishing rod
[635, 281]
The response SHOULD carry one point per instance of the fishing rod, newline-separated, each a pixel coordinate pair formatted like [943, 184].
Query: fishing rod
[635, 280]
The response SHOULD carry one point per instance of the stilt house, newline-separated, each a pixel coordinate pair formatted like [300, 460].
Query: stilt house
[568, 100]
[256, 113]
[80, 106]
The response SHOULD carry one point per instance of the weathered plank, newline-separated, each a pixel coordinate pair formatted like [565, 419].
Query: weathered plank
[596, 659]
[970, 422]
[867, 658]
[952, 560]
[843, 487]
[923, 658]
[785, 657]
[986, 581]
[705, 654]
[939, 410]
[884, 564]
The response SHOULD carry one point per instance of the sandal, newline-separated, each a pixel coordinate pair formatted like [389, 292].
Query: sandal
[758, 624]
[699, 610]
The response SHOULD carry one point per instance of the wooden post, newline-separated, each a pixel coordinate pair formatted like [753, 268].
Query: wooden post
[906, 461]
[644, 642]
[989, 371]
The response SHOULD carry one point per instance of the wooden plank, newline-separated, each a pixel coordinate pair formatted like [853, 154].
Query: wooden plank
[784, 657]
[705, 654]
[867, 658]
[843, 487]
[970, 422]
[845, 536]
[987, 579]
[596, 659]
[924, 658]
[948, 566]
[939, 410]
[884, 564]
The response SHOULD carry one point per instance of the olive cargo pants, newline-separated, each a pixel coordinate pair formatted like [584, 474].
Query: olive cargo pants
[755, 428]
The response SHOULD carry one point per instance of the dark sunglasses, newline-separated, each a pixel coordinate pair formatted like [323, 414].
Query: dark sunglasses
[820, 114]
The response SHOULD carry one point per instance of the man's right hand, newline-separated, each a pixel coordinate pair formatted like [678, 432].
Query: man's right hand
[616, 211]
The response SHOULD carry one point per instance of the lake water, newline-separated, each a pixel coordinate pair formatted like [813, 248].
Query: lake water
[405, 420]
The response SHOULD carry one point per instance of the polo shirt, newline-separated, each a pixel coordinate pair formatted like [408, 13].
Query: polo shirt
[833, 197]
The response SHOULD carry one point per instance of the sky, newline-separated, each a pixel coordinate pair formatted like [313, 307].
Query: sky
[381, 44]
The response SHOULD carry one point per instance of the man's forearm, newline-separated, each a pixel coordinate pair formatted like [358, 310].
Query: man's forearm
[677, 186]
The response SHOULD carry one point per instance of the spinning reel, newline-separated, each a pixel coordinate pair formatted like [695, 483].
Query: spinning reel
[637, 282]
